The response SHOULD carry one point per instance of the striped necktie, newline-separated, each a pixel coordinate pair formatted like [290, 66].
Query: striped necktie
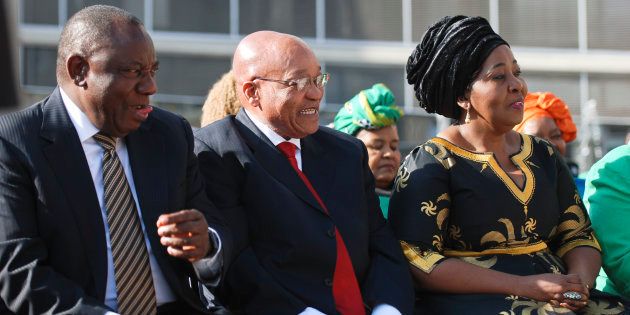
[134, 283]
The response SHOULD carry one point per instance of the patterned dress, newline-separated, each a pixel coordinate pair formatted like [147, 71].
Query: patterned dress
[451, 202]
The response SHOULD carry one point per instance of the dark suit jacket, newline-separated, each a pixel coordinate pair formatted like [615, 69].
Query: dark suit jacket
[52, 240]
[285, 244]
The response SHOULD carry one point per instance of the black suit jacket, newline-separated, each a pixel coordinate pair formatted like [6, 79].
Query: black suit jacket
[52, 241]
[285, 244]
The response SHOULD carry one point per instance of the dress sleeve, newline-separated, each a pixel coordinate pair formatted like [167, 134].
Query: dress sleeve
[574, 227]
[420, 205]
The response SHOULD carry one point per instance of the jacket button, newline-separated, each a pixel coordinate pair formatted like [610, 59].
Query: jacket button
[328, 282]
[331, 232]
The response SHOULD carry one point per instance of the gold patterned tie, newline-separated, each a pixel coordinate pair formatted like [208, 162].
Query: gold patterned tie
[134, 283]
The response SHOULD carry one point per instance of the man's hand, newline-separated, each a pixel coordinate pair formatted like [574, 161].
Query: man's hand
[185, 234]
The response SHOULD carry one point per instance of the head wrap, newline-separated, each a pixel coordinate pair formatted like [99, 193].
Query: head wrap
[545, 104]
[442, 66]
[371, 109]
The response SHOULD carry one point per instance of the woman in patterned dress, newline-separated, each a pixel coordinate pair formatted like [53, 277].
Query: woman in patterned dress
[489, 219]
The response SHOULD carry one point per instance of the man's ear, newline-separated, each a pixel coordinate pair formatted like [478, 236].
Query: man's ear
[77, 68]
[250, 90]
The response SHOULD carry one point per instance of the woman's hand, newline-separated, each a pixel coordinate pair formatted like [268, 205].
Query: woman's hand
[550, 287]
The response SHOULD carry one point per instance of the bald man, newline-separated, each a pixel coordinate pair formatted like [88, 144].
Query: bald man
[299, 198]
[102, 208]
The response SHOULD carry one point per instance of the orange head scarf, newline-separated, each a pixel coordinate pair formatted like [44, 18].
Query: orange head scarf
[546, 104]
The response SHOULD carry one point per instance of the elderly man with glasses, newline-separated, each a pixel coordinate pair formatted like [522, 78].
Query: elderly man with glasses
[309, 235]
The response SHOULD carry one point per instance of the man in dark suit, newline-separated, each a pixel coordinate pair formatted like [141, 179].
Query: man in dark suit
[309, 235]
[101, 204]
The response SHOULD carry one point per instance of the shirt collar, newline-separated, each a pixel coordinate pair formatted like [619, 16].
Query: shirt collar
[81, 122]
[271, 135]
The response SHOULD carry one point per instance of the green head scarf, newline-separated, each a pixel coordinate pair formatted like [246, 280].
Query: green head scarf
[371, 109]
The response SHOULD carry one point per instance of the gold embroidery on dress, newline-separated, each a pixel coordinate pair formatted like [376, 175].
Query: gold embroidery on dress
[576, 197]
[401, 178]
[441, 155]
[524, 306]
[572, 226]
[530, 226]
[455, 233]
[444, 196]
[441, 218]
[438, 242]
[603, 307]
[532, 164]
[428, 208]
[423, 260]
[502, 240]
[519, 159]
[483, 167]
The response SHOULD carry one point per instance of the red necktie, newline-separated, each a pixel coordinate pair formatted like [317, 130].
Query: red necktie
[346, 291]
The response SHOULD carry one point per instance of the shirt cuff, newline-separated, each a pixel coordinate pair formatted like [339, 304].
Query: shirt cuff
[311, 311]
[385, 309]
[208, 269]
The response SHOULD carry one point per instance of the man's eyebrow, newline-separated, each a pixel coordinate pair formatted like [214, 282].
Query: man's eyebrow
[301, 72]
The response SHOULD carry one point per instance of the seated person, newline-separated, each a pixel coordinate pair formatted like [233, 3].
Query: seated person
[487, 217]
[371, 116]
[607, 198]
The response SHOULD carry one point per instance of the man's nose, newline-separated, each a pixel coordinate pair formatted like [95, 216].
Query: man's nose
[313, 92]
[147, 84]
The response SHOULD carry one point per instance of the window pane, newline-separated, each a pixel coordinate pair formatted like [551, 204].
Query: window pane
[189, 75]
[364, 19]
[135, 7]
[346, 81]
[608, 24]
[211, 16]
[565, 86]
[539, 23]
[286, 16]
[38, 66]
[612, 92]
[425, 13]
[40, 12]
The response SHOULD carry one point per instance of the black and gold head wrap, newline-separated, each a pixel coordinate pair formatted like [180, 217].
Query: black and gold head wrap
[442, 66]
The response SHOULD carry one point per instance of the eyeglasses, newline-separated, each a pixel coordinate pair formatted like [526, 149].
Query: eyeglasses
[301, 84]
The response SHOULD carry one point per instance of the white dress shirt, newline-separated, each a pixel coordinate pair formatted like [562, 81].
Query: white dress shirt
[381, 309]
[94, 156]
[276, 138]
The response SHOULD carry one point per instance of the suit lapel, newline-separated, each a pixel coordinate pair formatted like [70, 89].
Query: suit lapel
[273, 161]
[67, 159]
[318, 167]
[147, 158]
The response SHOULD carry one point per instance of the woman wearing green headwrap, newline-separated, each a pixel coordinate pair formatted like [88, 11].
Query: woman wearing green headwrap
[371, 116]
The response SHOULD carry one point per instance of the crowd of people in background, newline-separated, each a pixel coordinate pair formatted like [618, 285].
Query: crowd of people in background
[112, 206]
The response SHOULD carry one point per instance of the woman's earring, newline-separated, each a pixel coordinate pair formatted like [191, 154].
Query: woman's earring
[467, 119]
